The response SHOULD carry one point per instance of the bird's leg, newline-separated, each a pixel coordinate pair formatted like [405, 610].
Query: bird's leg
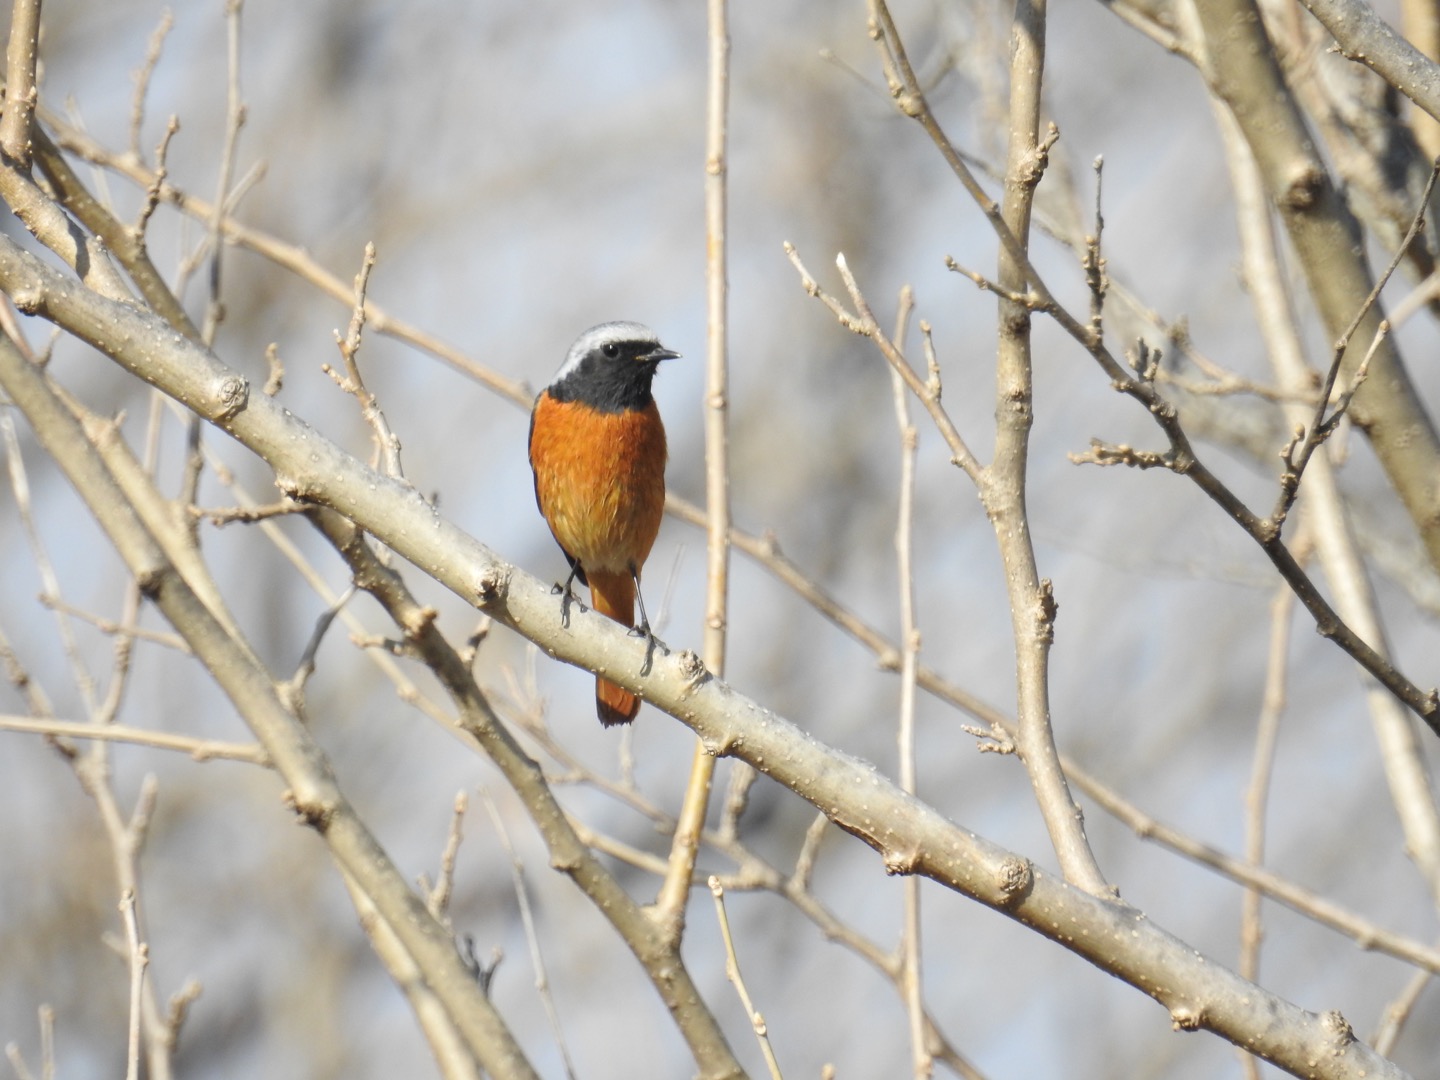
[643, 629]
[566, 596]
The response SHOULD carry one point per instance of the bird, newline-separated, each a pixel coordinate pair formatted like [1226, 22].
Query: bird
[597, 449]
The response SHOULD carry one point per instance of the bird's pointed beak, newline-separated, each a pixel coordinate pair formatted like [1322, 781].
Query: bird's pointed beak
[662, 353]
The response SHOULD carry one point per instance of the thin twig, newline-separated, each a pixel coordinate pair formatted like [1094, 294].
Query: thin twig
[199, 749]
[909, 98]
[225, 515]
[143, 76]
[809, 852]
[293, 689]
[152, 191]
[275, 370]
[113, 626]
[139, 960]
[532, 936]
[235, 115]
[387, 443]
[863, 322]
[47, 1049]
[732, 972]
[685, 845]
[122, 650]
[1364, 932]
[1392, 1023]
[287, 256]
[49, 582]
[1262, 769]
[1321, 426]
[1094, 261]
[437, 897]
[909, 661]
[753, 874]
[178, 1009]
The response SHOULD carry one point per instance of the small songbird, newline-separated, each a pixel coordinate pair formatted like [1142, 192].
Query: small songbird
[597, 448]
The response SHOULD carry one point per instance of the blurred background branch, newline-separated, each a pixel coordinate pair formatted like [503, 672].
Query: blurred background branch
[504, 222]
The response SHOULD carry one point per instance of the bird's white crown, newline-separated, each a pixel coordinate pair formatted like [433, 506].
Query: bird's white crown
[598, 337]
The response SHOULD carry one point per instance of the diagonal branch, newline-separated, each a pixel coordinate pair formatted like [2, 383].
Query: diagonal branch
[1181, 456]
[1242, 71]
[910, 836]
[675, 891]
[1365, 37]
[653, 945]
[312, 788]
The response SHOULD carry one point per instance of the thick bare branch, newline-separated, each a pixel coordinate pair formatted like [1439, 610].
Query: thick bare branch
[1181, 456]
[653, 943]
[1365, 37]
[1243, 72]
[311, 785]
[21, 57]
[910, 836]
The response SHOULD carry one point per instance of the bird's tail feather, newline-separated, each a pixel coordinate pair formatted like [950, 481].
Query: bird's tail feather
[613, 595]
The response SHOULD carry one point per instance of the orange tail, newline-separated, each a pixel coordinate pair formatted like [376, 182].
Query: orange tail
[614, 595]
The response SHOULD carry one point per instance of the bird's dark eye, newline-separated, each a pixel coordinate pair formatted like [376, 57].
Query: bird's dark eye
[610, 349]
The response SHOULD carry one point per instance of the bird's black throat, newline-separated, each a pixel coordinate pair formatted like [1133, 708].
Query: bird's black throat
[607, 384]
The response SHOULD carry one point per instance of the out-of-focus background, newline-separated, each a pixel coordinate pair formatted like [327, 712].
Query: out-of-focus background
[525, 171]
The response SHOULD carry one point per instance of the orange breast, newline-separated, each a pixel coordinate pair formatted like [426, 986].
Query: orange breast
[600, 480]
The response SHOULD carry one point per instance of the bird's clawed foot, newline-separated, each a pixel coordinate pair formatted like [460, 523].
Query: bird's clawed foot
[651, 644]
[567, 595]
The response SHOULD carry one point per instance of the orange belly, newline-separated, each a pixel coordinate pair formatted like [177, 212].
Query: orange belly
[600, 481]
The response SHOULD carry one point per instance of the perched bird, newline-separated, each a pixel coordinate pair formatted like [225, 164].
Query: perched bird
[597, 449]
